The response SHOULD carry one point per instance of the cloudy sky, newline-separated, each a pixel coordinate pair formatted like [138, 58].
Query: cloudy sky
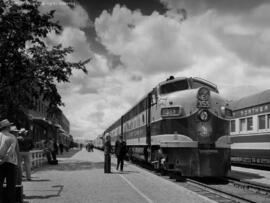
[134, 44]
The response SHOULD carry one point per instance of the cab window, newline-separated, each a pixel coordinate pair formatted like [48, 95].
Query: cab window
[196, 84]
[173, 87]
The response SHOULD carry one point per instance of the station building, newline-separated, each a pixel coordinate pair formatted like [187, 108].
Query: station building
[250, 129]
[43, 125]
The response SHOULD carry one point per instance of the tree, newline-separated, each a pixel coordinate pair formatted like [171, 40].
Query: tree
[29, 68]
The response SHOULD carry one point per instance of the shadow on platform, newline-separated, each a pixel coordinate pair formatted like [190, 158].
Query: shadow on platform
[124, 172]
[38, 180]
[59, 190]
[75, 165]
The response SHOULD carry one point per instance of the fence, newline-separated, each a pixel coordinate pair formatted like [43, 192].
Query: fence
[37, 158]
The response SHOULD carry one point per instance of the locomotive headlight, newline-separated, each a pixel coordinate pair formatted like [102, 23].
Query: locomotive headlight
[203, 115]
[171, 111]
[225, 112]
[222, 110]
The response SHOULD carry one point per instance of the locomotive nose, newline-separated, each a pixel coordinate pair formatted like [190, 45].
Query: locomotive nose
[204, 129]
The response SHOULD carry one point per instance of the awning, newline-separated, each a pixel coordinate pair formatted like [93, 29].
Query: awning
[41, 121]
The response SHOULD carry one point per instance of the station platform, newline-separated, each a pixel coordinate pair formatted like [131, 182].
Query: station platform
[257, 176]
[80, 178]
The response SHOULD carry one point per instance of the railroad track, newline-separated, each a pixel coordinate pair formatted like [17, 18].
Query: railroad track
[249, 185]
[225, 191]
[219, 189]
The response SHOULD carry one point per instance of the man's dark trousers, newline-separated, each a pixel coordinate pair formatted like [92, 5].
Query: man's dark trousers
[120, 161]
[8, 171]
[107, 163]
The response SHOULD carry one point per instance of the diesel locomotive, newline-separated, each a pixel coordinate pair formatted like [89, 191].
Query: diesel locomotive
[182, 126]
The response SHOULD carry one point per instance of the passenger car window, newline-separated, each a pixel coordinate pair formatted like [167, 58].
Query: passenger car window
[243, 124]
[232, 125]
[261, 121]
[249, 123]
[173, 87]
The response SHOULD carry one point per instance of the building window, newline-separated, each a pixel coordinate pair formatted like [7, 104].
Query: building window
[268, 121]
[242, 124]
[232, 125]
[249, 123]
[261, 122]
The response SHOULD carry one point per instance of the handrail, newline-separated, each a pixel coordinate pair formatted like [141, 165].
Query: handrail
[37, 158]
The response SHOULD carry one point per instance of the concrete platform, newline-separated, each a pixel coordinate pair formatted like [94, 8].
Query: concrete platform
[80, 179]
[251, 175]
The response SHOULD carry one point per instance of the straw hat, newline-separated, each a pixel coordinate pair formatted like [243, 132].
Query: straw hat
[5, 123]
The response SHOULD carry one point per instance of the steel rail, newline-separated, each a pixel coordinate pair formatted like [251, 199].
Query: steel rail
[220, 192]
[259, 188]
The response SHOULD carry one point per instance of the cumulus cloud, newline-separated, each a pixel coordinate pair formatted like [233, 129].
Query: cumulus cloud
[146, 43]
[74, 16]
[218, 41]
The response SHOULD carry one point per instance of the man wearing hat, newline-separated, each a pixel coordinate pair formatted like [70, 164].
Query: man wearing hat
[8, 161]
[120, 152]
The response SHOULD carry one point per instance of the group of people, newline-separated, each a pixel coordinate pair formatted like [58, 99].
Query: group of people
[120, 152]
[14, 147]
[52, 149]
[90, 147]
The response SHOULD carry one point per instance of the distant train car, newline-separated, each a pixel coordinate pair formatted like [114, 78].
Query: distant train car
[250, 130]
[182, 125]
[98, 142]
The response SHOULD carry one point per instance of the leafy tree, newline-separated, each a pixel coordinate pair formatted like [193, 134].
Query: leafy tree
[29, 68]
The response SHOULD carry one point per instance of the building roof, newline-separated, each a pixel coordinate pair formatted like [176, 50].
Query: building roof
[252, 100]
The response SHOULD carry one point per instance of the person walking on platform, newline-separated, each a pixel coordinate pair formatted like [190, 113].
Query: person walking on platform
[107, 154]
[9, 161]
[26, 145]
[120, 152]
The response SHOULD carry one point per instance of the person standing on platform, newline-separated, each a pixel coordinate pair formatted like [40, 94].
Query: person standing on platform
[55, 147]
[15, 132]
[26, 145]
[107, 154]
[9, 161]
[54, 150]
[61, 146]
[120, 152]
[47, 150]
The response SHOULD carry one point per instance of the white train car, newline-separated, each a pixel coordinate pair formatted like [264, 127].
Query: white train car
[98, 142]
[250, 130]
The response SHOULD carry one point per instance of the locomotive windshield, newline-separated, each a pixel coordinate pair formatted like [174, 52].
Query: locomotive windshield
[196, 84]
[173, 86]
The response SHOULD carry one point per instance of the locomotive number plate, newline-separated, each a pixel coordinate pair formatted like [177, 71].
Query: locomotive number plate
[203, 104]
